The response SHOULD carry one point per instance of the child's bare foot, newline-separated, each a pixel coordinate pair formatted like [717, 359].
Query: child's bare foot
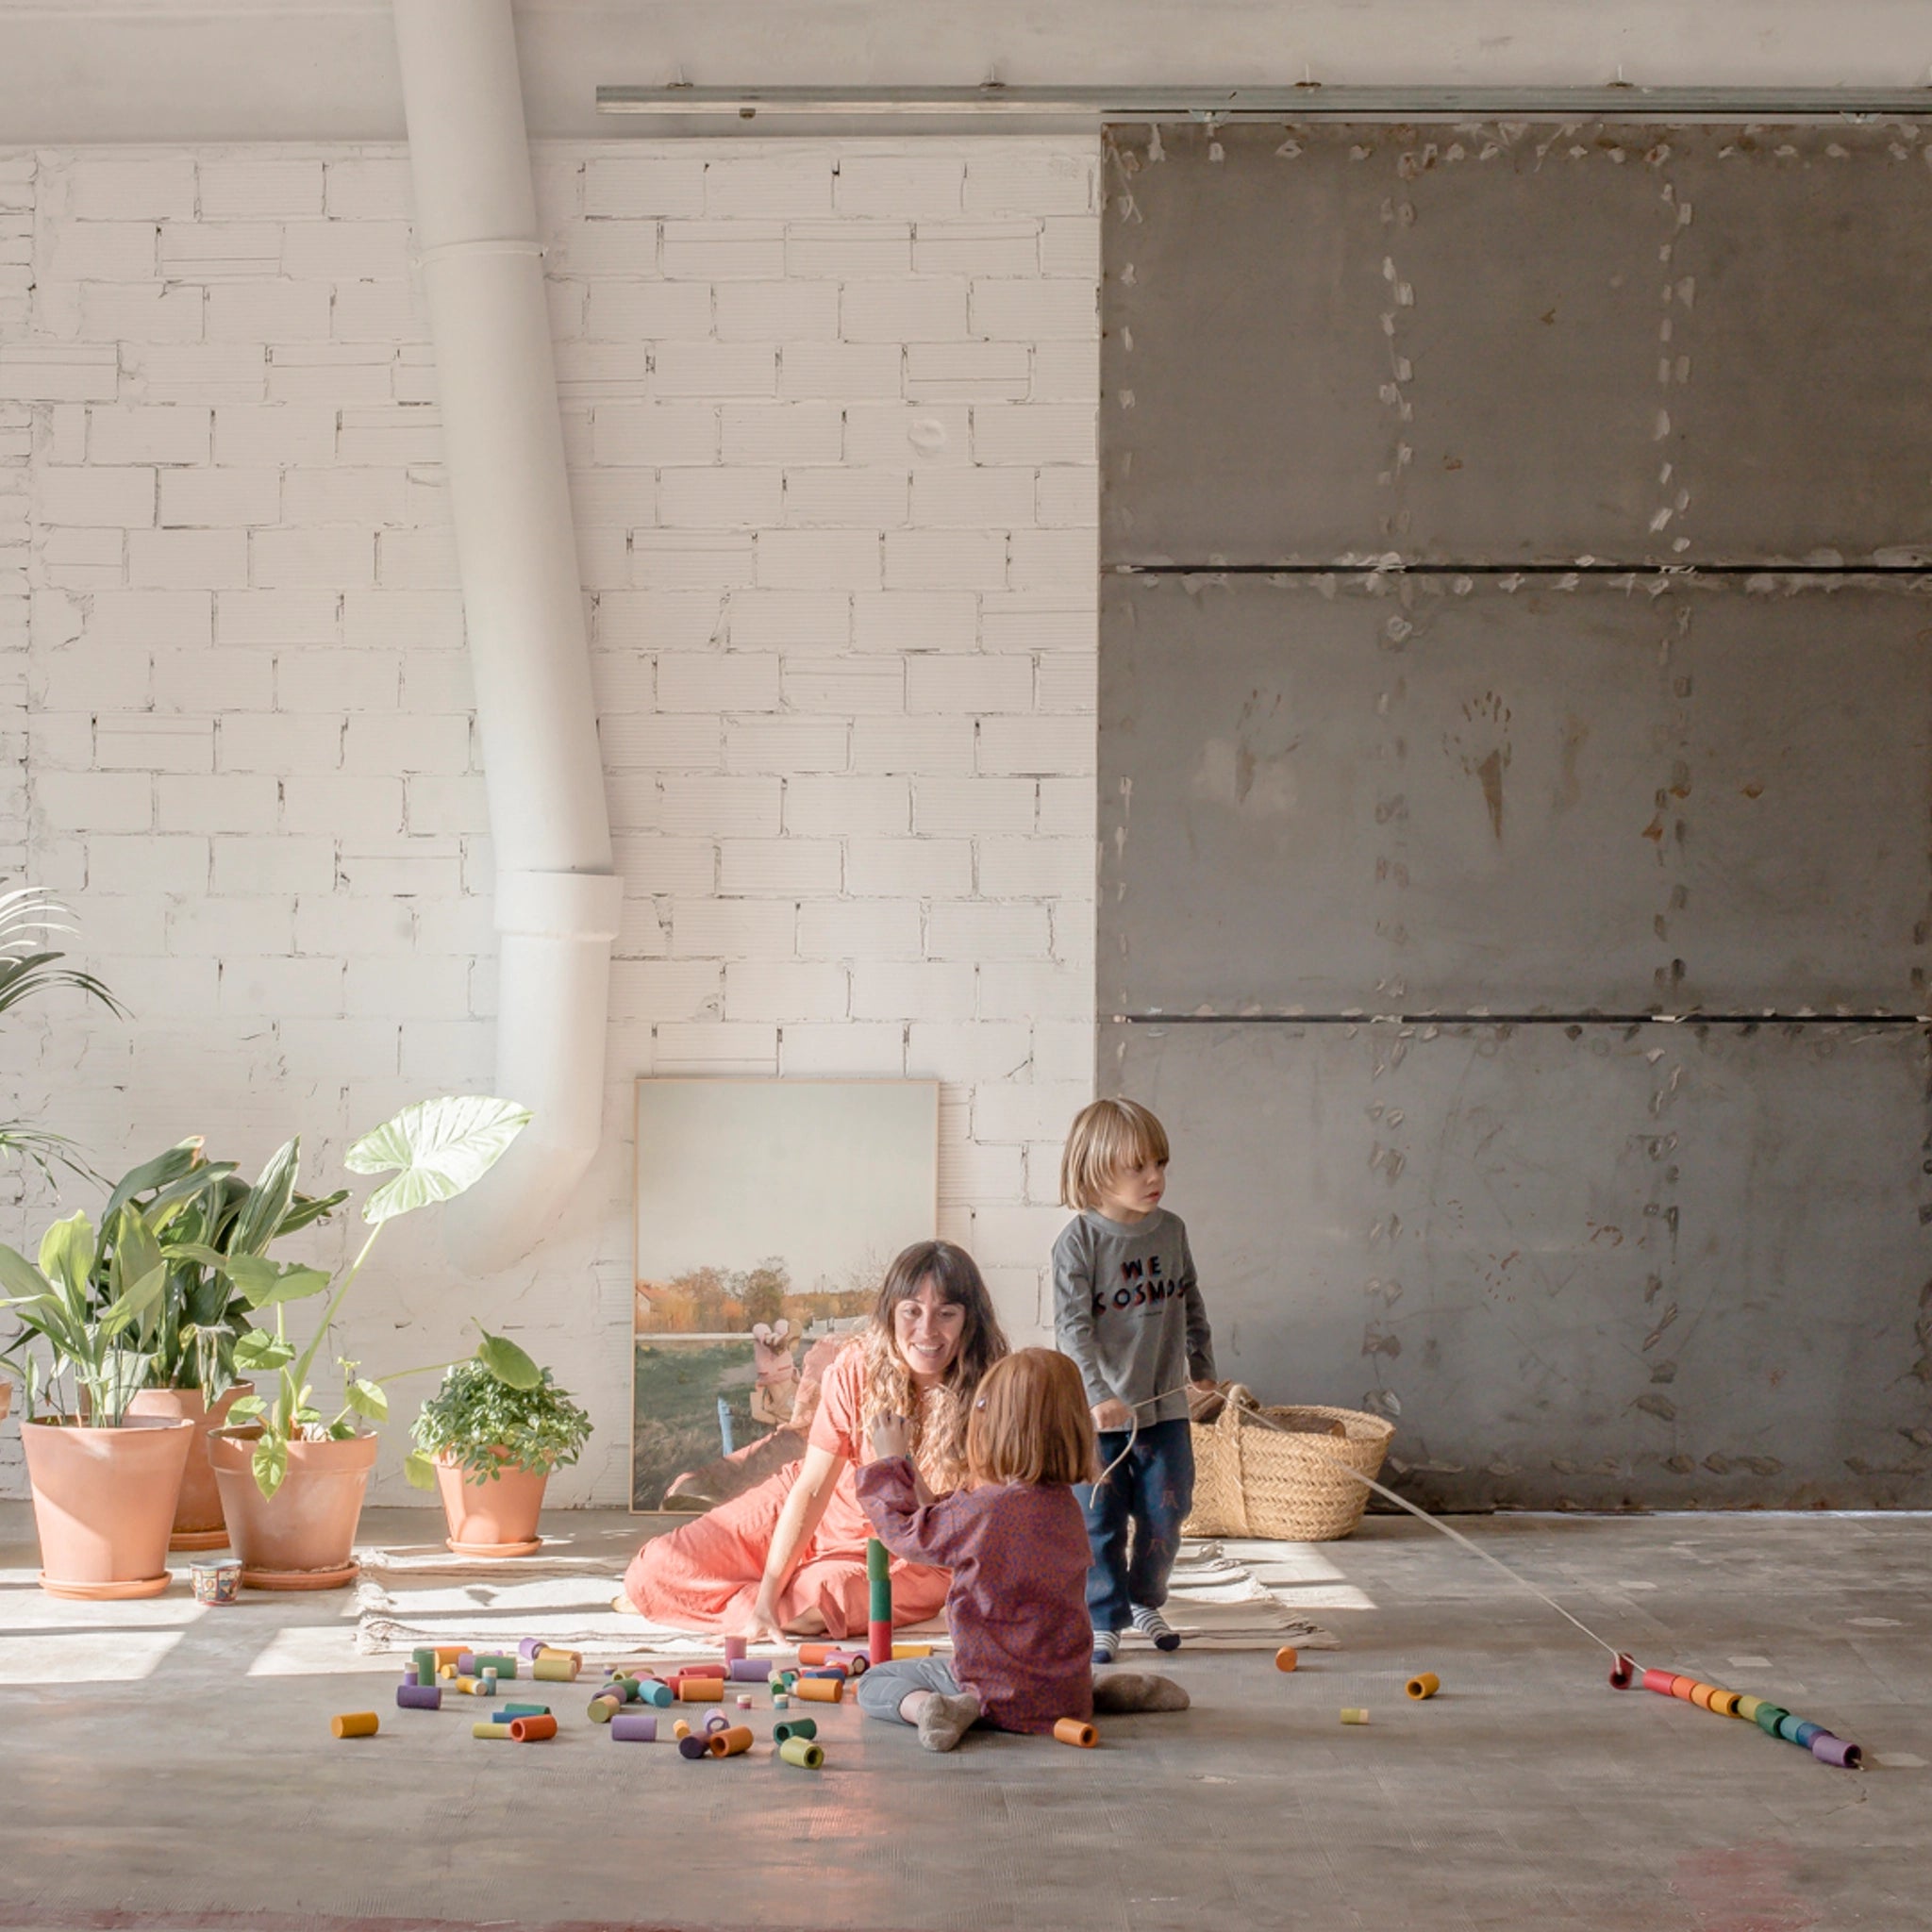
[1120, 1692]
[943, 1721]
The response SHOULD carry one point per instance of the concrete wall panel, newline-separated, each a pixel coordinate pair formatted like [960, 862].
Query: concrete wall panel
[1588, 1266]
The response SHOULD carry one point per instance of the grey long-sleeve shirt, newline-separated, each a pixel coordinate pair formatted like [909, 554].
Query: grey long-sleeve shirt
[1127, 1309]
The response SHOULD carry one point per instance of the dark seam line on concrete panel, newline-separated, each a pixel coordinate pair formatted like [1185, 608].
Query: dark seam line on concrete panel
[1521, 1019]
[1521, 570]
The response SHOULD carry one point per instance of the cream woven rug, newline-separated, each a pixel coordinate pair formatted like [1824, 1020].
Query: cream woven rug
[422, 1595]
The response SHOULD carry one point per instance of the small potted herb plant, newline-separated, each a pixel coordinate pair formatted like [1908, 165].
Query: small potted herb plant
[490, 1449]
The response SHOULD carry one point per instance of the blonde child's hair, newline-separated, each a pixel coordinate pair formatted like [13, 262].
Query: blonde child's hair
[1108, 1137]
[1030, 1423]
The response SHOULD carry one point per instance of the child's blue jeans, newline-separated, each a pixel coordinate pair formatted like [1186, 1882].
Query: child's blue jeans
[1150, 1495]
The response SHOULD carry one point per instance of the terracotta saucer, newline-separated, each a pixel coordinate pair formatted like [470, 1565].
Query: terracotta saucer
[199, 1540]
[301, 1579]
[528, 1549]
[106, 1593]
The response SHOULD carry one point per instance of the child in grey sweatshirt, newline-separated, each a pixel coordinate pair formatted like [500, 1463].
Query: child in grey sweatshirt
[1127, 1309]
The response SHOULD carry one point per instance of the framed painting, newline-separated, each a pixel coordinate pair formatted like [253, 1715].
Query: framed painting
[767, 1212]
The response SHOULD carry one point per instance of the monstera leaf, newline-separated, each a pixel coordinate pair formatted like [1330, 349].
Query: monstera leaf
[441, 1147]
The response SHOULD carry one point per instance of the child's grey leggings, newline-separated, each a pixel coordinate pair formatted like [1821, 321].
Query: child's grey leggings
[884, 1686]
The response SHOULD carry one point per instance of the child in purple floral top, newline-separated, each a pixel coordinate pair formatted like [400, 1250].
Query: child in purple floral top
[1016, 1542]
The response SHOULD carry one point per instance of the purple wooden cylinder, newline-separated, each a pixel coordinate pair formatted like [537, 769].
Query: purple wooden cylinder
[529, 1647]
[715, 1723]
[1830, 1750]
[419, 1696]
[635, 1728]
[749, 1670]
[466, 1663]
[692, 1747]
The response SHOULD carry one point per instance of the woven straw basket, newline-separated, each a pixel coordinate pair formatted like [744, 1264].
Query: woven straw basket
[1251, 1481]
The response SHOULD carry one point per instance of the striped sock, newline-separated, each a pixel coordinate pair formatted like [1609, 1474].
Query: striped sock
[1152, 1624]
[1107, 1646]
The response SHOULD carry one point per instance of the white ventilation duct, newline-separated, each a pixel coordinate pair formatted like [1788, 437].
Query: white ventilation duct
[556, 900]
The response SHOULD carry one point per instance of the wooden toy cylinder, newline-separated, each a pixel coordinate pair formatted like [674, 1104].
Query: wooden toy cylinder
[701, 1690]
[1287, 1658]
[1070, 1730]
[1424, 1684]
[466, 1663]
[474, 1687]
[447, 1654]
[1624, 1671]
[680, 1730]
[605, 1705]
[657, 1694]
[878, 1639]
[731, 1744]
[902, 1651]
[813, 1653]
[715, 1722]
[424, 1662]
[1683, 1687]
[1354, 1715]
[1788, 1726]
[1725, 1704]
[532, 1730]
[419, 1696]
[634, 1728]
[354, 1723]
[528, 1648]
[1701, 1695]
[734, 1650]
[795, 1728]
[820, 1690]
[802, 1751]
[1830, 1750]
[574, 1657]
[693, 1747]
[748, 1670]
[1805, 1733]
[1660, 1681]
[553, 1669]
[879, 1561]
[503, 1666]
[1748, 1708]
[506, 1711]
[489, 1730]
[1769, 1716]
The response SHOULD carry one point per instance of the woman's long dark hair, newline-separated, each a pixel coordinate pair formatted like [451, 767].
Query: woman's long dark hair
[938, 1417]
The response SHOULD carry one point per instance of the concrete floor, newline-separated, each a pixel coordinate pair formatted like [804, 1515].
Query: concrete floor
[170, 1767]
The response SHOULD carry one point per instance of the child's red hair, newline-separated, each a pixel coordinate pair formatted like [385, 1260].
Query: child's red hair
[1030, 1423]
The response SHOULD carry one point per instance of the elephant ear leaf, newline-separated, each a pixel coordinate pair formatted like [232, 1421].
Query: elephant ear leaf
[367, 1399]
[438, 1148]
[270, 1461]
[420, 1470]
[256, 1350]
[507, 1363]
[266, 1284]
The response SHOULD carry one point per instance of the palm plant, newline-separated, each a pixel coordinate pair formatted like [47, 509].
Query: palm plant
[29, 968]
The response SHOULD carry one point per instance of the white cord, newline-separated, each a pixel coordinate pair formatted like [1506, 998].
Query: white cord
[1268, 1421]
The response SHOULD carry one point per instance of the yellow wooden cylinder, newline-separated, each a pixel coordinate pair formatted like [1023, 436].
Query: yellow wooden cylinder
[1071, 1730]
[555, 1670]
[680, 1729]
[1424, 1684]
[354, 1723]
[1746, 1708]
[901, 1651]
[489, 1730]
[802, 1751]
[1354, 1715]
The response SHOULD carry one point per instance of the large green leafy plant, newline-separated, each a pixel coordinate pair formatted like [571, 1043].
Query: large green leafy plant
[483, 1425]
[213, 1230]
[433, 1152]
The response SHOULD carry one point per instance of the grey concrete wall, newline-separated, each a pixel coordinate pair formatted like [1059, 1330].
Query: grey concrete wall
[1523, 951]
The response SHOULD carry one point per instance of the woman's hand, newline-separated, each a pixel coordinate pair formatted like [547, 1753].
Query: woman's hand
[890, 1435]
[761, 1625]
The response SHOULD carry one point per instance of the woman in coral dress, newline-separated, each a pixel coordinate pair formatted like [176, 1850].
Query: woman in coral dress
[789, 1557]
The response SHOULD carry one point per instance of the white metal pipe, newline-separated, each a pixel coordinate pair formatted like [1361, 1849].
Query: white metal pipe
[556, 900]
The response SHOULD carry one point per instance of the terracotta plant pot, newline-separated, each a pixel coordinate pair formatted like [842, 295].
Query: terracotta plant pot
[104, 1501]
[6, 1396]
[303, 1537]
[492, 1516]
[198, 1523]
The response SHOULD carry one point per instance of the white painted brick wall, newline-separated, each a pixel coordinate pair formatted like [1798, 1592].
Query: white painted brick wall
[830, 411]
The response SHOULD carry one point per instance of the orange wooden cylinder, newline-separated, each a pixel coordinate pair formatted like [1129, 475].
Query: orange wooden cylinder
[532, 1730]
[1070, 1730]
[354, 1723]
[1683, 1687]
[820, 1690]
[701, 1690]
[814, 1653]
[1287, 1660]
[730, 1743]
[1702, 1694]
[1726, 1702]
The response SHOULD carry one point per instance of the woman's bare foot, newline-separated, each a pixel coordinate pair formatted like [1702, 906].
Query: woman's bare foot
[809, 1621]
[621, 1603]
